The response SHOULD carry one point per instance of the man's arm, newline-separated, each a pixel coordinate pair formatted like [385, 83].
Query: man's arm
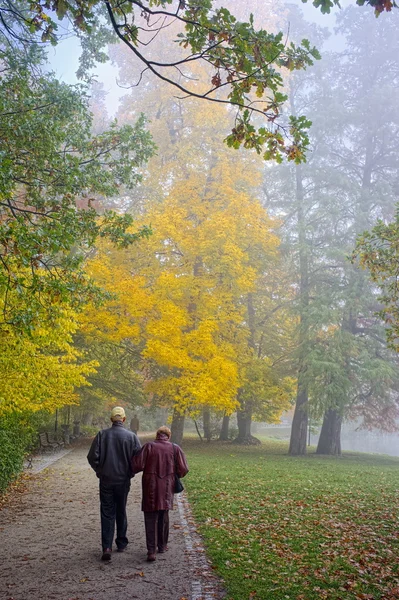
[135, 450]
[136, 445]
[95, 452]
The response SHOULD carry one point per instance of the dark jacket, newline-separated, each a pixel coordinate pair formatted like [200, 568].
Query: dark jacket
[111, 452]
[157, 462]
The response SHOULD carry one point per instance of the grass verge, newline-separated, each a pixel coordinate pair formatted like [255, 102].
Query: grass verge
[297, 528]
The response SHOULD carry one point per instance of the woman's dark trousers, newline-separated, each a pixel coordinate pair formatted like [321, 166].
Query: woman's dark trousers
[156, 530]
[113, 498]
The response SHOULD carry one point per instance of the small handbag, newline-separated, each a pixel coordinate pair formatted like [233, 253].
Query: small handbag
[178, 487]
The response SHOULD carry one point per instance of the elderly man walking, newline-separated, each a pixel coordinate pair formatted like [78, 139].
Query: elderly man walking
[110, 456]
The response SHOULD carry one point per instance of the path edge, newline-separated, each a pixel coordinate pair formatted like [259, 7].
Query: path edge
[205, 585]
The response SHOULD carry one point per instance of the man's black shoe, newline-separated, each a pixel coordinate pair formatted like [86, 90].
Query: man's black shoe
[106, 554]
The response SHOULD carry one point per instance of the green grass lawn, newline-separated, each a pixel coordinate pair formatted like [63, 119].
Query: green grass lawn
[299, 528]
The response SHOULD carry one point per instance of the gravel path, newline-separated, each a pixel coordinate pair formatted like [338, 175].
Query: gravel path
[51, 543]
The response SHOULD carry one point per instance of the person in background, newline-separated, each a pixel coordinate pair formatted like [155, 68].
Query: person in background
[134, 424]
[158, 460]
[110, 456]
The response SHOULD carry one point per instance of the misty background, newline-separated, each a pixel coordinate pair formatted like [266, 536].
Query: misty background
[340, 95]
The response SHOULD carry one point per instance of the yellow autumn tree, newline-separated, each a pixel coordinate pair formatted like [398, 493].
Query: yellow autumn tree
[182, 294]
[111, 333]
[43, 370]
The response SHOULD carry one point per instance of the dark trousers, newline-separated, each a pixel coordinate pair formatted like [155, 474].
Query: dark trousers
[156, 530]
[113, 498]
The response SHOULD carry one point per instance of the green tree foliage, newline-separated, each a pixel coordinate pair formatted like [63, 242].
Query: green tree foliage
[52, 172]
[245, 65]
[16, 435]
[117, 378]
[378, 251]
[379, 6]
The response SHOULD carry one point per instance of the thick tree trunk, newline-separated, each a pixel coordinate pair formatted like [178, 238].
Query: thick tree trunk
[299, 423]
[330, 435]
[206, 419]
[224, 432]
[244, 421]
[177, 428]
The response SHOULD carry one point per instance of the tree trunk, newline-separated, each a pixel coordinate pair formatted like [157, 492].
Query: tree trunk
[224, 432]
[177, 428]
[244, 421]
[300, 421]
[206, 419]
[198, 431]
[330, 435]
[87, 419]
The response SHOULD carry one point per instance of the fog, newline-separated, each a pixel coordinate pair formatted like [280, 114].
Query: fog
[352, 439]
[64, 58]
[344, 366]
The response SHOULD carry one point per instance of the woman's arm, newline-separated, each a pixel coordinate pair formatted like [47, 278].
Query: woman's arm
[181, 463]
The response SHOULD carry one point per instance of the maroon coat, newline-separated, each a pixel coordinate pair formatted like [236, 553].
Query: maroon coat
[156, 460]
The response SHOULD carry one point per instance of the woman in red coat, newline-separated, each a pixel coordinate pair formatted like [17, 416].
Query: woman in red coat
[158, 460]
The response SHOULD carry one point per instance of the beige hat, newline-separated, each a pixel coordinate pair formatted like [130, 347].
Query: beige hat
[118, 411]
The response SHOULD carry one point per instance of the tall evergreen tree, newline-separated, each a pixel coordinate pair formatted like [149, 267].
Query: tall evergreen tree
[344, 186]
